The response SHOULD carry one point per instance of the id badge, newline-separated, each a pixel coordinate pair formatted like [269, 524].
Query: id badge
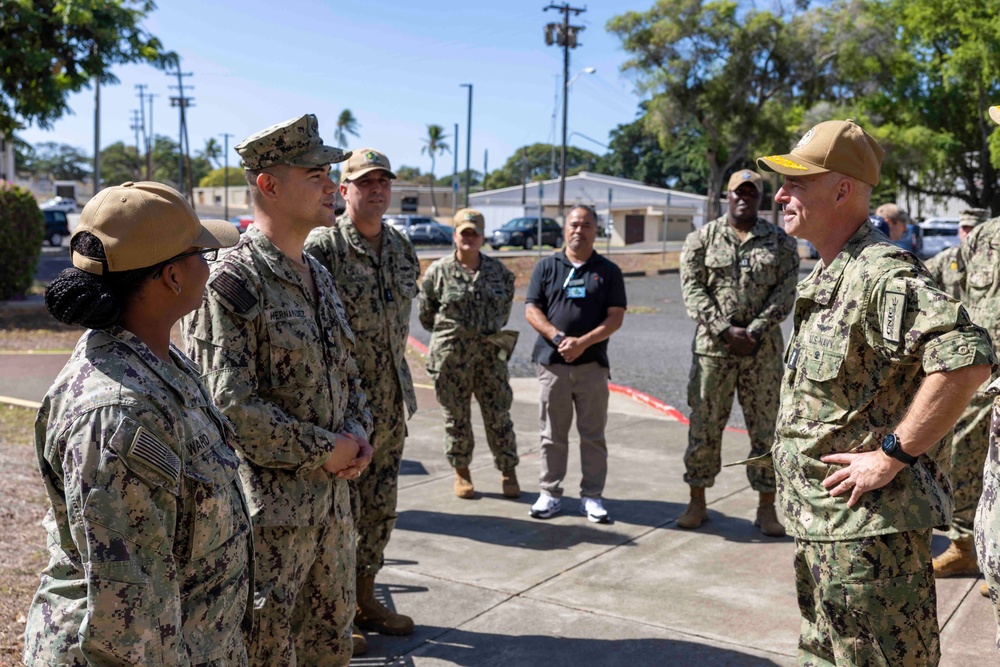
[576, 292]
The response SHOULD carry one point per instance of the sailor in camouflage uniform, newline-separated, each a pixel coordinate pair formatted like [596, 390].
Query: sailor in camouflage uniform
[278, 354]
[376, 271]
[148, 530]
[738, 276]
[963, 453]
[880, 366]
[983, 256]
[465, 300]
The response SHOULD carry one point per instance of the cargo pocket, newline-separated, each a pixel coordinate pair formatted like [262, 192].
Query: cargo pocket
[295, 353]
[895, 621]
[118, 626]
[824, 398]
[214, 510]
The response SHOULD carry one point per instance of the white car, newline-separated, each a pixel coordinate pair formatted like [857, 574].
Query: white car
[939, 234]
[64, 204]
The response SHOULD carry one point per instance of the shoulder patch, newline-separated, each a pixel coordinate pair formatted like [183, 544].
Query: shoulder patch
[147, 448]
[232, 289]
[893, 313]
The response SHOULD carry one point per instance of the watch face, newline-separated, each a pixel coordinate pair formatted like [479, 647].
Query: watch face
[889, 443]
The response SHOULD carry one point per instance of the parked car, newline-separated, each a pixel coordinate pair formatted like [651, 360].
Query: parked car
[524, 232]
[56, 226]
[404, 222]
[241, 222]
[939, 234]
[430, 233]
[64, 204]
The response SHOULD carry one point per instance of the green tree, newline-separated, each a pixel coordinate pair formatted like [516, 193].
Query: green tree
[212, 152]
[217, 178]
[537, 165]
[434, 143]
[636, 153]
[724, 78]
[121, 163]
[346, 124]
[924, 75]
[22, 229]
[60, 162]
[405, 174]
[51, 48]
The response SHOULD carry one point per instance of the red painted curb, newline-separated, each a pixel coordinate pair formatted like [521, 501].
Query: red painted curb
[417, 345]
[640, 396]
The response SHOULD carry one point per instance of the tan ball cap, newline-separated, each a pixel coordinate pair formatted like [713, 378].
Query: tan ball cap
[834, 145]
[469, 218]
[364, 160]
[995, 114]
[143, 224]
[745, 176]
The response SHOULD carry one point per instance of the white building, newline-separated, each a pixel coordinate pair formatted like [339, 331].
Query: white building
[635, 209]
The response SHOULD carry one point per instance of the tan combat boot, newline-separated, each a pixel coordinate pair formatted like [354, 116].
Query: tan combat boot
[958, 560]
[767, 517]
[984, 590]
[373, 616]
[508, 481]
[463, 483]
[359, 641]
[696, 511]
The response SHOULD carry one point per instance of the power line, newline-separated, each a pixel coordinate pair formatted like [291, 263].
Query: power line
[183, 154]
[564, 35]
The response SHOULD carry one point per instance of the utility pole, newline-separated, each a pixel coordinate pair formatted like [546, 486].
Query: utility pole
[141, 87]
[225, 173]
[564, 35]
[97, 134]
[524, 176]
[486, 163]
[468, 142]
[150, 140]
[454, 175]
[182, 103]
[134, 125]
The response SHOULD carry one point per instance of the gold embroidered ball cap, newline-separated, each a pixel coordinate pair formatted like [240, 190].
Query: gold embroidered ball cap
[834, 145]
[295, 141]
[995, 114]
[469, 218]
[745, 176]
[364, 160]
[145, 223]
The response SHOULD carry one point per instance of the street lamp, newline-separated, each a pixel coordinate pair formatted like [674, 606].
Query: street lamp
[468, 141]
[585, 70]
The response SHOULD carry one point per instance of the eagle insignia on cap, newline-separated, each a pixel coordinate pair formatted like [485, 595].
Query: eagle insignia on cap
[470, 216]
[746, 176]
[805, 138]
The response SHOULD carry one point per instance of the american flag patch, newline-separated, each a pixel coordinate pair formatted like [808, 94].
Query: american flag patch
[230, 288]
[146, 448]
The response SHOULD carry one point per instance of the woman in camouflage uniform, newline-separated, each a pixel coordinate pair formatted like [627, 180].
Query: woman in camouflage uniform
[148, 531]
[465, 300]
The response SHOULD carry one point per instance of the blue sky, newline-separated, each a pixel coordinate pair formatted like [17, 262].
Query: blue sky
[396, 64]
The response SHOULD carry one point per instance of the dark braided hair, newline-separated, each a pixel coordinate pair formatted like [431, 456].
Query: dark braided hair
[96, 302]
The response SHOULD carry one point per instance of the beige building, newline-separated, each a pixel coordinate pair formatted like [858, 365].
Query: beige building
[406, 198]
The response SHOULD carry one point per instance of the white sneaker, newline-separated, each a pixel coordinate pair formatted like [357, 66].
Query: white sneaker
[545, 507]
[594, 509]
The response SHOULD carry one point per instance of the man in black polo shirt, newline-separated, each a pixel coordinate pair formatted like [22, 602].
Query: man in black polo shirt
[575, 300]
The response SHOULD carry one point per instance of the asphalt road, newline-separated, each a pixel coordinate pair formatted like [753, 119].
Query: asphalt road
[652, 350]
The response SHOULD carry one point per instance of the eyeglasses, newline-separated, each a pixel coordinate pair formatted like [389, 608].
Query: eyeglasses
[210, 255]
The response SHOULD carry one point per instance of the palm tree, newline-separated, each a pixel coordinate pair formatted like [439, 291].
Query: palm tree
[434, 144]
[346, 124]
[212, 152]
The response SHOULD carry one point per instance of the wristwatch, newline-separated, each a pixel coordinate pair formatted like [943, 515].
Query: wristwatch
[558, 338]
[892, 447]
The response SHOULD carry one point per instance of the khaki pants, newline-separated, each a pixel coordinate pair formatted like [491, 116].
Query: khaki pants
[564, 388]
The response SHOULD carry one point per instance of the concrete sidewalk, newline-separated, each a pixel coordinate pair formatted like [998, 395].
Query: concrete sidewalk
[487, 585]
